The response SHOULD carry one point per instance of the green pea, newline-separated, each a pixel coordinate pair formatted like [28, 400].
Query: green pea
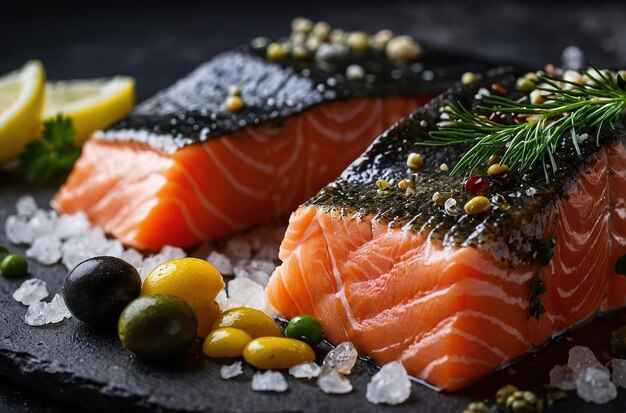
[13, 266]
[305, 328]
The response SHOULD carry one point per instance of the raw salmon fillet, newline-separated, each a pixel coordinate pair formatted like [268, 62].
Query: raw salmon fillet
[449, 295]
[183, 169]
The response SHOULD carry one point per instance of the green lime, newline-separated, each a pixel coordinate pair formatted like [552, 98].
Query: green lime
[13, 266]
[305, 328]
[157, 325]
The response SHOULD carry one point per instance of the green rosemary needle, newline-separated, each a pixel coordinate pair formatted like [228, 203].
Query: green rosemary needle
[569, 107]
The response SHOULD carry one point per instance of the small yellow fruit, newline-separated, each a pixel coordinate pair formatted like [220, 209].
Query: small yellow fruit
[225, 342]
[206, 317]
[477, 205]
[254, 322]
[275, 353]
[191, 279]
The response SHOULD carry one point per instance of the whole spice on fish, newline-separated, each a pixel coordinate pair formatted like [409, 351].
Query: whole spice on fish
[568, 107]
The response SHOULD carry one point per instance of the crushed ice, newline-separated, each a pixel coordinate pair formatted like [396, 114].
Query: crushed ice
[231, 370]
[269, 381]
[591, 380]
[391, 385]
[305, 371]
[31, 291]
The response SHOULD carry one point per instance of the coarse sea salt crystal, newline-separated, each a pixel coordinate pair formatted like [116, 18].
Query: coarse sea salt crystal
[41, 223]
[71, 225]
[17, 231]
[249, 294]
[594, 385]
[531, 191]
[26, 206]
[305, 370]
[41, 313]
[334, 383]
[74, 252]
[580, 358]
[342, 358]
[133, 257]
[269, 381]
[168, 253]
[391, 385]
[619, 372]
[221, 262]
[562, 377]
[31, 291]
[231, 370]
[238, 249]
[46, 249]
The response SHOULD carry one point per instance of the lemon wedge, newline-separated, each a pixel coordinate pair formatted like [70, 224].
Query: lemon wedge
[21, 102]
[92, 104]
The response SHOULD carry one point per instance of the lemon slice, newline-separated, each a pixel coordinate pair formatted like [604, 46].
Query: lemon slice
[92, 104]
[21, 101]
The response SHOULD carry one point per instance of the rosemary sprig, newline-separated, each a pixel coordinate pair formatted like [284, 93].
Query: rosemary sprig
[593, 104]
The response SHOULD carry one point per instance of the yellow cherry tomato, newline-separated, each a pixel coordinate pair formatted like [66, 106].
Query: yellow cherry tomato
[225, 342]
[274, 353]
[254, 322]
[206, 316]
[191, 279]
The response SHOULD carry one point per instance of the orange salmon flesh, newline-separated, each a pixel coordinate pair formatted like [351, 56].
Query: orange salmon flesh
[453, 315]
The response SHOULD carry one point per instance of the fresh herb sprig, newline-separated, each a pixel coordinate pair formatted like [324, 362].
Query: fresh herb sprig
[569, 107]
[54, 155]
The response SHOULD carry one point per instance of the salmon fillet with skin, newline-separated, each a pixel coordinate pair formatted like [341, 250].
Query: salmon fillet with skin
[183, 169]
[450, 295]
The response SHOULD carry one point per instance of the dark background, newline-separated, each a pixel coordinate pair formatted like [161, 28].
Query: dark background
[158, 42]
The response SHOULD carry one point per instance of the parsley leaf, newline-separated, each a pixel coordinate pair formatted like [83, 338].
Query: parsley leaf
[54, 155]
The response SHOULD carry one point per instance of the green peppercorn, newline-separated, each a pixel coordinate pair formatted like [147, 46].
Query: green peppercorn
[476, 407]
[522, 402]
[503, 394]
[618, 342]
[13, 266]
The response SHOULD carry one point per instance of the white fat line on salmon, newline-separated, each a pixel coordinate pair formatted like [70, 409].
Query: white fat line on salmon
[247, 160]
[295, 153]
[487, 289]
[197, 232]
[343, 116]
[340, 293]
[232, 180]
[489, 268]
[425, 373]
[475, 339]
[341, 136]
[206, 204]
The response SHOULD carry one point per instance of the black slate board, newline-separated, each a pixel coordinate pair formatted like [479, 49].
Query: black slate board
[89, 368]
[159, 42]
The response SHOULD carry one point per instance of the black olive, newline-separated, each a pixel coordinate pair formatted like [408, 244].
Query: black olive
[97, 290]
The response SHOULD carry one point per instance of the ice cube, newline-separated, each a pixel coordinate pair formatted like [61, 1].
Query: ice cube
[619, 372]
[231, 370]
[562, 377]
[46, 249]
[17, 230]
[334, 383]
[342, 358]
[71, 226]
[305, 371]
[221, 262]
[248, 293]
[238, 249]
[269, 381]
[26, 206]
[594, 385]
[581, 357]
[133, 257]
[41, 313]
[31, 291]
[390, 385]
